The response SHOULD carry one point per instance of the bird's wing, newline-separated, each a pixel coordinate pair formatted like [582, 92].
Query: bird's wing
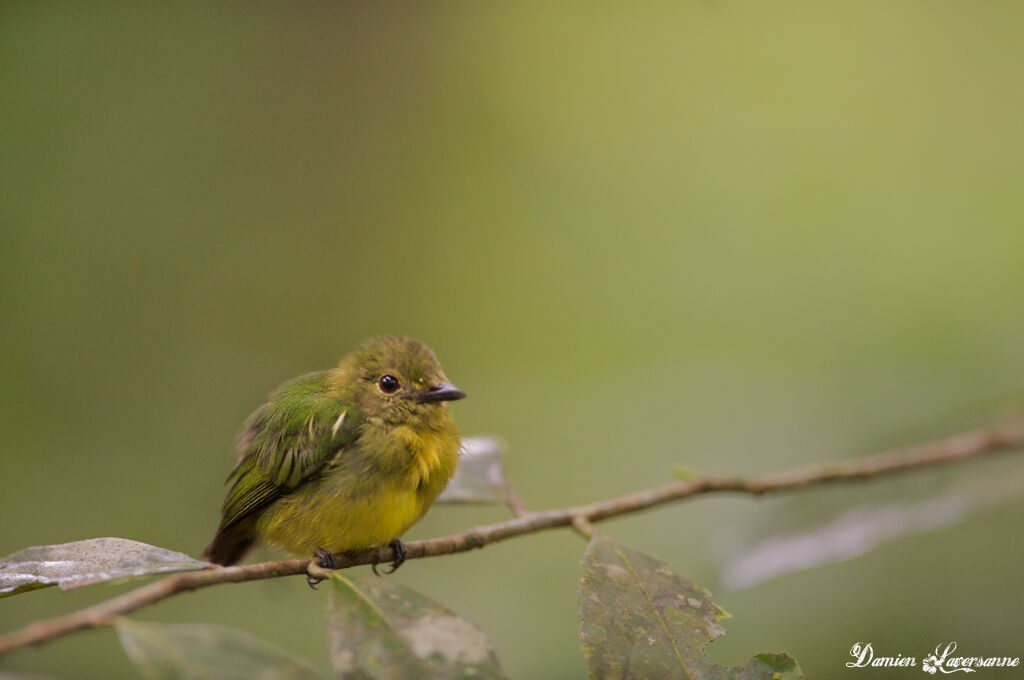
[285, 442]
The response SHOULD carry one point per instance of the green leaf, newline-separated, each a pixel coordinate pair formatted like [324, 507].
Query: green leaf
[197, 651]
[639, 619]
[83, 563]
[480, 475]
[11, 675]
[378, 629]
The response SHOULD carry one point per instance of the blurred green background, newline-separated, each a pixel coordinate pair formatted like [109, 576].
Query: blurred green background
[733, 236]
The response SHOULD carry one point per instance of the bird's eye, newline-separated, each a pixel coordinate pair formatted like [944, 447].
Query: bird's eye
[388, 383]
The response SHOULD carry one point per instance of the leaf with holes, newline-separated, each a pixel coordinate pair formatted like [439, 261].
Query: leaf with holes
[639, 619]
[194, 650]
[377, 628]
[83, 563]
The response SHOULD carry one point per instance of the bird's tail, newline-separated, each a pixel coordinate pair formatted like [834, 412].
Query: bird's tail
[230, 544]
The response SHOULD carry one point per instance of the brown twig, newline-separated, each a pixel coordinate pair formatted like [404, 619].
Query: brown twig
[582, 526]
[515, 503]
[957, 448]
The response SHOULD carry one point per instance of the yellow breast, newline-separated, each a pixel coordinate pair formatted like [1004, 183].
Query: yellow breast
[345, 511]
[426, 453]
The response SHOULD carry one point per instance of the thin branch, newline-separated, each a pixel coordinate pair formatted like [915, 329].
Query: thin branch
[515, 503]
[582, 526]
[958, 448]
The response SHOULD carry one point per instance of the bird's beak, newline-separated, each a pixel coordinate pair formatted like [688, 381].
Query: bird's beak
[443, 392]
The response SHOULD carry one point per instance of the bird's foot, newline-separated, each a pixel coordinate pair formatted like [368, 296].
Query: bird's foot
[327, 560]
[323, 560]
[400, 553]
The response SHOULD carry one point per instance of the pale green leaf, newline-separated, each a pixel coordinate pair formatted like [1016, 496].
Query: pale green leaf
[480, 475]
[639, 619]
[82, 563]
[196, 651]
[379, 629]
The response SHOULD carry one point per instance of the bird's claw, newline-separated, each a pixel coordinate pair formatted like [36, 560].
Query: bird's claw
[315, 572]
[326, 559]
[400, 552]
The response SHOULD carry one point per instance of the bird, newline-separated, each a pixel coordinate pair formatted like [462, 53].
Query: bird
[343, 460]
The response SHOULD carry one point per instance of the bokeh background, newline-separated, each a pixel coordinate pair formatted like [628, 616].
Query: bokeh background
[736, 237]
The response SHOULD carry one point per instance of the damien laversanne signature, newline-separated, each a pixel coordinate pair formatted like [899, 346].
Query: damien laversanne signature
[941, 660]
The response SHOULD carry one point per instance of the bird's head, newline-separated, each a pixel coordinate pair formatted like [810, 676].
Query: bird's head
[396, 379]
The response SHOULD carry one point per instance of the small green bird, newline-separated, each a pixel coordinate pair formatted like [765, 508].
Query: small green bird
[343, 460]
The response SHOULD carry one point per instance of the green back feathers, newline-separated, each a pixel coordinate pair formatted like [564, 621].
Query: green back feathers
[287, 441]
